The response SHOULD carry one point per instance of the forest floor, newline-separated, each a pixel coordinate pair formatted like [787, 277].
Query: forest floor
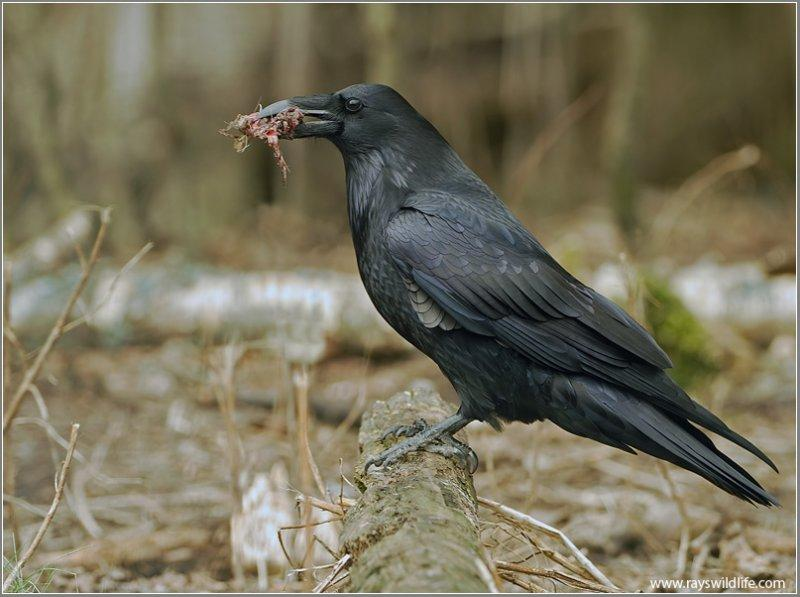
[164, 507]
[153, 481]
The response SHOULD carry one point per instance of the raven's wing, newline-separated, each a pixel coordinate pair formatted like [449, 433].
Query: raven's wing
[481, 270]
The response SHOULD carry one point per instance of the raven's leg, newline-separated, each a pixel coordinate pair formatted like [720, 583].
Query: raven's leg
[442, 432]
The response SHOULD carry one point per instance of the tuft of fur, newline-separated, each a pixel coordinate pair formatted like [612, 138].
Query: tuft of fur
[250, 126]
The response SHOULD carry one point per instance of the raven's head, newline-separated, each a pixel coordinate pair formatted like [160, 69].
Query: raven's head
[357, 118]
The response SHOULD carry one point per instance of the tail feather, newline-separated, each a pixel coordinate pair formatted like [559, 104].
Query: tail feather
[667, 395]
[610, 415]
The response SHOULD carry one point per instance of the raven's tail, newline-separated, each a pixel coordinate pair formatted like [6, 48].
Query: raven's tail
[608, 414]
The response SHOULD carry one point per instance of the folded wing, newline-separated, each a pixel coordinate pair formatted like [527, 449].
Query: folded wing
[490, 276]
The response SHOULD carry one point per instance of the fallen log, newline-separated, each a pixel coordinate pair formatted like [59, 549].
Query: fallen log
[300, 315]
[415, 527]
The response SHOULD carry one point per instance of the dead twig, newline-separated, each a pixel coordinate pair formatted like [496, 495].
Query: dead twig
[9, 339]
[567, 579]
[530, 522]
[61, 480]
[343, 563]
[338, 509]
[111, 287]
[58, 328]
[529, 586]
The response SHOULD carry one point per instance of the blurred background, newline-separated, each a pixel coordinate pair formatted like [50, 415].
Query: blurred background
[651, 148]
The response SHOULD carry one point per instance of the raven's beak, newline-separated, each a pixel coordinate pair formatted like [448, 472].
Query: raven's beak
[322, 107]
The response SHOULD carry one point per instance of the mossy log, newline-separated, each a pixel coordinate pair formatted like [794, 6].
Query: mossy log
[415, 526]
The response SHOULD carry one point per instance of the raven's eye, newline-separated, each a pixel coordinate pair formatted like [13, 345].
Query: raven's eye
[353, 105]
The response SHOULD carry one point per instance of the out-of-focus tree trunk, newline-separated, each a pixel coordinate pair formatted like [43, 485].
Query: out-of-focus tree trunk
[623, 114]
[383, 58]
[294, 44]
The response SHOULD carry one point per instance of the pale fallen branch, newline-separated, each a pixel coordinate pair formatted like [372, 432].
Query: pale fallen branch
[47, 251]
[131, 546]
[61, 479]
[32, 508]
[530, 522]
[300, 315]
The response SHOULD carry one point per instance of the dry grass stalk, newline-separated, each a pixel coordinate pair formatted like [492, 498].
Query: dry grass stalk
[526, 521]
[683, 547]
[308, 467]
[693, 187]
[58, 328]
[223, 364]
[61, 479]
[224, 368]
[340, 565]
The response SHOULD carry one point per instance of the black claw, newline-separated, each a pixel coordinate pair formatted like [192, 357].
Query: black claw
[405, 430]
[472, 461]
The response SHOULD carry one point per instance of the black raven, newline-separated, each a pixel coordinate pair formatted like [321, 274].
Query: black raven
[456, 274]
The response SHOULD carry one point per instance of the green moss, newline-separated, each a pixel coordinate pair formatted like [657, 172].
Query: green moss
[679, 333]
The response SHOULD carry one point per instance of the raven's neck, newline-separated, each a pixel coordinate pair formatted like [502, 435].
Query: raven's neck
[378, 181]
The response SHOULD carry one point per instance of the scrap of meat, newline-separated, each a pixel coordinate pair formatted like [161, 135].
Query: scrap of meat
[249, 126]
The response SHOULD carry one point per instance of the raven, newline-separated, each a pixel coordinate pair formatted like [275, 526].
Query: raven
[456, 274]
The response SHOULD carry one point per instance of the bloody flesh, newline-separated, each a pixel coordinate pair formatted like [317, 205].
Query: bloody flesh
[249, 126]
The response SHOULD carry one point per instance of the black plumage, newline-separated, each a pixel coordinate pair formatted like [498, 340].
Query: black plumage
[454, 272]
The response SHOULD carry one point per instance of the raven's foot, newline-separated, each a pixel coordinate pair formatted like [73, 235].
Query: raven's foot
[414, 428]
[437, 439]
